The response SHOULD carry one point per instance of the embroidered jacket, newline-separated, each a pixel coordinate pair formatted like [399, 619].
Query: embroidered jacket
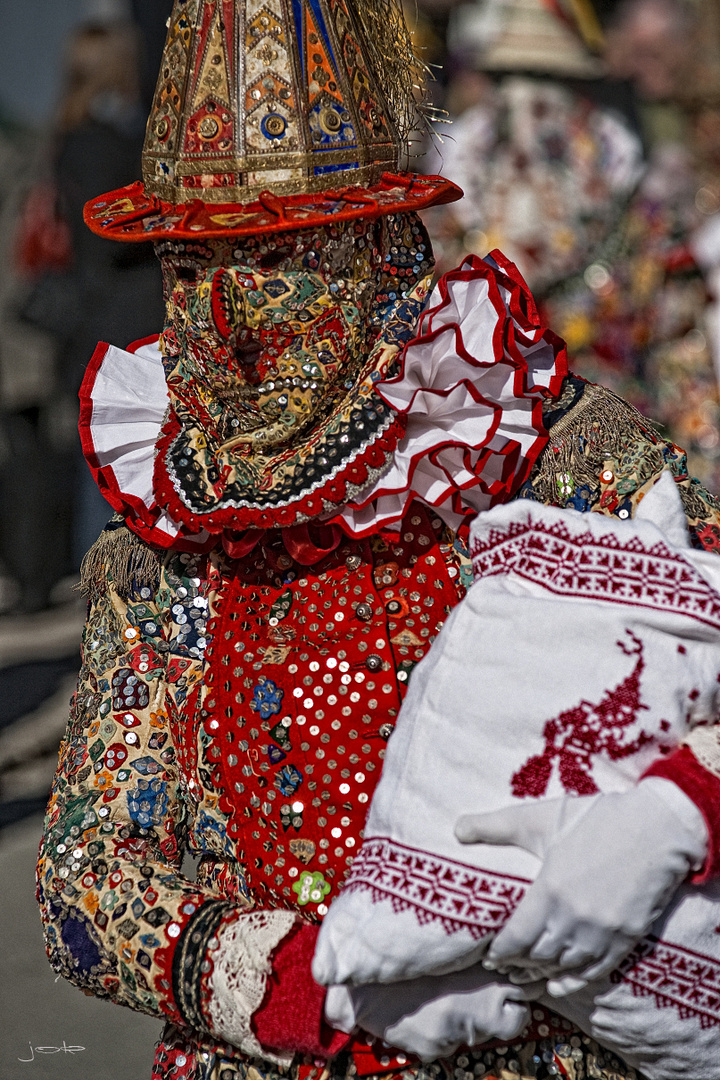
[237, 709]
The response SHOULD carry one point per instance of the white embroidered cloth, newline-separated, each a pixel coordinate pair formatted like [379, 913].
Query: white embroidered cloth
[586, 647]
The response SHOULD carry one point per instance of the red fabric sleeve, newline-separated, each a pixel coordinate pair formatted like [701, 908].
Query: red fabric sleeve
[700, 785]
[291, 1016]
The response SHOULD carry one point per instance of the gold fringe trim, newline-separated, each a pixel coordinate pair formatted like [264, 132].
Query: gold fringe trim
[582, 441]
[120, 558]
[399, 71]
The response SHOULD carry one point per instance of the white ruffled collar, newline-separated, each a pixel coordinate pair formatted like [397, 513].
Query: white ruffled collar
[471, 387]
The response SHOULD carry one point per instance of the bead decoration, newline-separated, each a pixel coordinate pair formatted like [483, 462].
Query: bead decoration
[304, 739]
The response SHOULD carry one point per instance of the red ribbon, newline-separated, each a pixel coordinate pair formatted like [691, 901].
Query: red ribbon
[305, 544]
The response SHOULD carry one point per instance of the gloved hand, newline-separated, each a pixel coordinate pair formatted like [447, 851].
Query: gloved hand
[433, 1016]
[611, 864]
[670, 1048]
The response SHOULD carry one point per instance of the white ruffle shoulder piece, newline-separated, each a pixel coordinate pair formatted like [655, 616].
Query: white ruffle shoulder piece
[471, 387]
[123, 401]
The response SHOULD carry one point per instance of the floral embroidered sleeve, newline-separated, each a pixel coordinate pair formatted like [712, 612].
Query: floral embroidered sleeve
[603, 457]
[120, 919]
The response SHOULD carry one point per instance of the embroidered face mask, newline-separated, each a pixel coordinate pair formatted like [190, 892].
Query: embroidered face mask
[263, 331]
[271, 349]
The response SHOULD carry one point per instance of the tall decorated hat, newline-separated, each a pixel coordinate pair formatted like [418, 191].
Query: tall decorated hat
[274, 114]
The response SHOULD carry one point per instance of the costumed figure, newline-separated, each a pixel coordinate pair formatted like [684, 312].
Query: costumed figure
[294, 463]
[556, 178]
[641, 316]
[545, 166]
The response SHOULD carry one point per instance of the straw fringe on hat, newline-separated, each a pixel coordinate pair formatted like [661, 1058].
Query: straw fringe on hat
[274, 114]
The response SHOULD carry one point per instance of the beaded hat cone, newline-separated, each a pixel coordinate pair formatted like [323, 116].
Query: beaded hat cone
[272, 115]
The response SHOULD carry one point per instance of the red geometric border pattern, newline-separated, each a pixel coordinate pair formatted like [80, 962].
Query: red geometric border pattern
[436, 889]
[598, 568]
[461, 897]
[676, 977]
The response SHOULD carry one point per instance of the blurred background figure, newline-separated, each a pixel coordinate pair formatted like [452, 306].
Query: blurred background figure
[545, 166]
[81, 290]
[76, 82]
[651, 43]
[587, 139]
[98, 295]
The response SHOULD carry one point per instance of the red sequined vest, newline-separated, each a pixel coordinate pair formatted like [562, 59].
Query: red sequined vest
[307, 670]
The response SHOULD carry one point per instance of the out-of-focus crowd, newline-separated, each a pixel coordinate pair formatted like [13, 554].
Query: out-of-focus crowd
[63, 290]
[585, 133]
[586, 136]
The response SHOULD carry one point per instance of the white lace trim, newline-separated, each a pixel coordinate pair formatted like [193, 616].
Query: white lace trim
[237, 984]
[705, 745]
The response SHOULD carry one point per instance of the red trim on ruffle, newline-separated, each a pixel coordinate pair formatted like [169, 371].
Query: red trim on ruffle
[514, 474]
[140, 518]
[520, 307]
[291, 1016]
[703, 787]
[516, 466]
[334, 490]
[135, 346]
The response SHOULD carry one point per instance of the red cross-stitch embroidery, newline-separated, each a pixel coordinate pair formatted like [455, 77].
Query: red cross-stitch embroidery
[467, 899]
[675, 977]
[577, 734]
[434, 887]
[598, 568]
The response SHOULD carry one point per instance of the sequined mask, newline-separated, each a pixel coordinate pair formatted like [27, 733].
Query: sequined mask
[259, 335]
[271, 350]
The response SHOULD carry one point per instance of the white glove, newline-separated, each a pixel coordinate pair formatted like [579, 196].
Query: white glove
[431, 1017]
[611, 864]
[660, 1052]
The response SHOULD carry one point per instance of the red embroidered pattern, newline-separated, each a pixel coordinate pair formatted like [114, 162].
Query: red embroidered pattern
[676, 977]
[461, 897]
[597, 568]
[576, 734]
[435, 888]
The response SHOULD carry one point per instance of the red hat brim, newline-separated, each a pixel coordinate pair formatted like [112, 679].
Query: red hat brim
[131, 214]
